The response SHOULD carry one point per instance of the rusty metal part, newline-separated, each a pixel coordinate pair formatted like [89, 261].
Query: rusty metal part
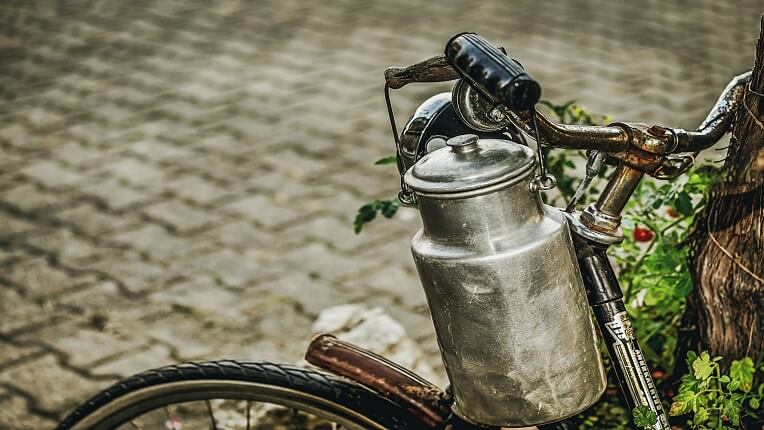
[421, 398]
[435, 69]
[652, 140]
[719, 119]
[605, 215]
[602, 138]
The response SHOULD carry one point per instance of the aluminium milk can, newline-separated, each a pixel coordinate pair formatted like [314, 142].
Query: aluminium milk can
[503, 287]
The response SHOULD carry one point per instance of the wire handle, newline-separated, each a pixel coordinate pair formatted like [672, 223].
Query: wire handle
[543, 181]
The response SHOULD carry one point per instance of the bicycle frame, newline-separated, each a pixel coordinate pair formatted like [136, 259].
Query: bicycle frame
[637, 150]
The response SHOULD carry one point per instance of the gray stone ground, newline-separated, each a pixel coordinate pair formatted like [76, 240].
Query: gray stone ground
[178, 179]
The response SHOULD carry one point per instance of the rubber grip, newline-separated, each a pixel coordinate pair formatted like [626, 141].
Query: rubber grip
[492, 72]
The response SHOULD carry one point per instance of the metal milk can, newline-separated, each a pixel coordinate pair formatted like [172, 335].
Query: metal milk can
[503, 287]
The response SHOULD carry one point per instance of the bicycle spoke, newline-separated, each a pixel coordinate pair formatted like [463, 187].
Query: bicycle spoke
[212, 416]
[169, 419]
[136, 425]
[249, 412]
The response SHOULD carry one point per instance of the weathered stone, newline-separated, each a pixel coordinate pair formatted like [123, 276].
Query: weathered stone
[377, 331]
[178, 215]
[58, 389]
[15, 415]
[183, 184]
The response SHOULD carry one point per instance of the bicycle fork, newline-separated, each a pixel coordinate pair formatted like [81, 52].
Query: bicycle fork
[606, 300]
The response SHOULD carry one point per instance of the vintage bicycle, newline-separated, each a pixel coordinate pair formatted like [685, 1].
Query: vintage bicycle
[511, 284]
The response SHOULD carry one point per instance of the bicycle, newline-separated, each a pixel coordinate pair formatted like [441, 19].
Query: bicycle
[494, 98]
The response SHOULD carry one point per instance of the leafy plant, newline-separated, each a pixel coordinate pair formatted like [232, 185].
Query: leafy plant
[715, 399]
[644, 417]
[368, 212]
[655, 276]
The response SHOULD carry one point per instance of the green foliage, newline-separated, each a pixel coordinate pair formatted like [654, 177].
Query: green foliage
[656, 277]
[386, 160]
[644, 417]
[717, 400]
[368, 212]
[606, 415]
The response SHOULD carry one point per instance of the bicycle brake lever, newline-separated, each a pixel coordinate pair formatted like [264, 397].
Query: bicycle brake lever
[594, 162]
[674, 165]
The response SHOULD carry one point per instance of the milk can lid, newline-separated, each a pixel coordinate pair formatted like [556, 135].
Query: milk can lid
[469, 163]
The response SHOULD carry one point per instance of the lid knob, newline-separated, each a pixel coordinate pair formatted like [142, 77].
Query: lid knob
[464, 143]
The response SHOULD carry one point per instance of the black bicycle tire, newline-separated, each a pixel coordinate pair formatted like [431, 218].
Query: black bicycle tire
[330, 388]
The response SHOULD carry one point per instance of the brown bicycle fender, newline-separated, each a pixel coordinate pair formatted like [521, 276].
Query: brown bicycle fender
[423, 399]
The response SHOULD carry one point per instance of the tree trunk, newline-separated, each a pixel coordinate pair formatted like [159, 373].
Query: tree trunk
[727, 257]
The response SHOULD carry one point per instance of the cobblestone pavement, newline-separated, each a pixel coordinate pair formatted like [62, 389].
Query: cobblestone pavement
[178, 179]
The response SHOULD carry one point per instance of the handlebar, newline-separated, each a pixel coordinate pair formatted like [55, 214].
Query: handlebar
[504, 82]
[638, 149]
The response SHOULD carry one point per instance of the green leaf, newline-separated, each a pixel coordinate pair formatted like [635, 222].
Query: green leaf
[679, 408]
[683, 204]
[387, 160]
[691, 357]
[703, 367]
[644, 417]
[701, 416]
[742, 372]
[731, 408]
[754, 403]
[366, 214]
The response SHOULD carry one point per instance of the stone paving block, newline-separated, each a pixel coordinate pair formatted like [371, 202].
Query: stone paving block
[133, 171]
[243, 234]
[224, 143]
[262, 210]
[11, 225]
[179, 216]
[12, 353]
[113, 194]
[78, 155]
[134, 362]
[63, 388]
[230, 268]
[19, 311]
[337, 234]
[158, 151]
[316, 260]
[92, 220]
[136, 275]
[65, 246]
[38, 278]
[52, 174]
[310, 293]
[200, 295]
[155, 241]
[197, 189]
[15, 415]
[84, 345]
[399, 282]
[29, 198]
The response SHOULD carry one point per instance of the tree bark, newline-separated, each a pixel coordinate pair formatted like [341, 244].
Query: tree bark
[727, 245]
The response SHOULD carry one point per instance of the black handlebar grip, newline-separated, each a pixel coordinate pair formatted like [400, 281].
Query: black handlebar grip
[491, 72]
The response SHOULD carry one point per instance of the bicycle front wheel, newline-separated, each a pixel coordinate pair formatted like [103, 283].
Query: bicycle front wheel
[237, 395]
